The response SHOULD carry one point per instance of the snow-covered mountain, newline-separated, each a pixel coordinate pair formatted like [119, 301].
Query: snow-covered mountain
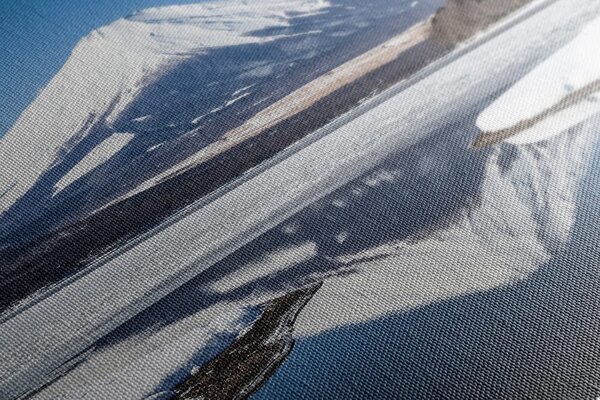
[111, 66]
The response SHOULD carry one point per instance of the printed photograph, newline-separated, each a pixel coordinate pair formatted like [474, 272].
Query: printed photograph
[299, 199]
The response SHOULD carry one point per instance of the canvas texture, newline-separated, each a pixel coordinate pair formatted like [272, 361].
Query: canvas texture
[299, 199]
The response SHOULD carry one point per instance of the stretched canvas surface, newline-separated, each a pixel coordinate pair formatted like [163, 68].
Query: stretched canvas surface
[299, 199]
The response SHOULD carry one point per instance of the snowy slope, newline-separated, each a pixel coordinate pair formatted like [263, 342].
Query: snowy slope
[109, 67]
[96, 157]
[559, 93]
[523, 215]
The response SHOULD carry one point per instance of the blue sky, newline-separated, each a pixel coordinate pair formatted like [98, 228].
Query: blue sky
[37, 36]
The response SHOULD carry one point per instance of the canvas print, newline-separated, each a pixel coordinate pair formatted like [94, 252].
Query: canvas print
[299, 199]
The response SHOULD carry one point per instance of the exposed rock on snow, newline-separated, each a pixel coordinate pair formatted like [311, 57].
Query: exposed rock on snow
[245, 365]
[461, 19]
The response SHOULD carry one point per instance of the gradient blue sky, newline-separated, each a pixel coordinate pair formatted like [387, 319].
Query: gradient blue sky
[37, 36]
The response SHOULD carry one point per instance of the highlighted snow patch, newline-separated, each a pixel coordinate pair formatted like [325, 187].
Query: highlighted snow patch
[557, 95]
[98, 156]
[142, 119]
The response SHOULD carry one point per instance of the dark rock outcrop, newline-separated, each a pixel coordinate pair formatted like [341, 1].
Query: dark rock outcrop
[247, 363]
[461, 19]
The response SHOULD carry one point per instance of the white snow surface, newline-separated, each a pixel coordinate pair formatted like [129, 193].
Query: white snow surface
[571, 68]
[113, 63]
[98, 156]
[497, 243]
